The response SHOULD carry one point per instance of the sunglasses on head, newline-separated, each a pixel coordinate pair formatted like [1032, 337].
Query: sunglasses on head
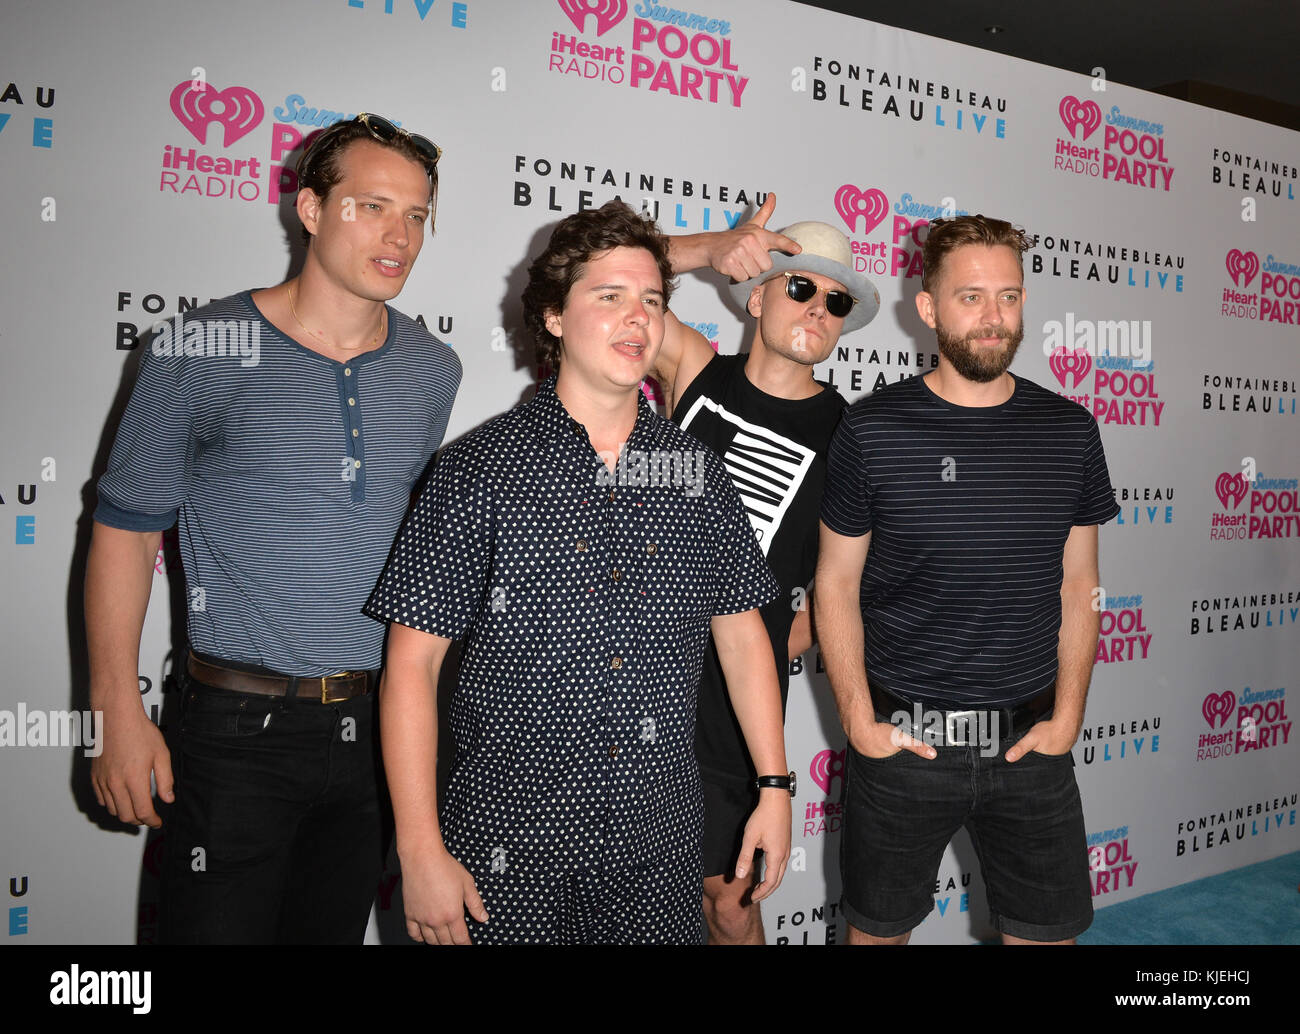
[801, 289]
[383, 130]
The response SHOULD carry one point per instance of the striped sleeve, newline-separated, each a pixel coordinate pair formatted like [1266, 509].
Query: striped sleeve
[149, 467]
[846, 504]
[1097, 501]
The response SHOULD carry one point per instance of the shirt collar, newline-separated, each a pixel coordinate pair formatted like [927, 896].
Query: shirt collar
[549, 418]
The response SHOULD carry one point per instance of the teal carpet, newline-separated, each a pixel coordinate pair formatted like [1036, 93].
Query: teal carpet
[1259, 904]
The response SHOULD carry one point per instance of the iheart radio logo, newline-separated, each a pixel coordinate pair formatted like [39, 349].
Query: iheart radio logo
[827, 766]
[237, 108]
[853, 204]
[1077, 114]
[608, 13]
[1231, 486]
[1074, 364]
[1219, 706]
[1242, 264]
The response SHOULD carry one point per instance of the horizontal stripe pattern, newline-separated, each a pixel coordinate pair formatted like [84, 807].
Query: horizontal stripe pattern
[969, 510]
[279, 527]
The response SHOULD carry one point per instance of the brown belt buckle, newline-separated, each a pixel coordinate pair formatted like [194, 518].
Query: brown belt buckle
[325, 697]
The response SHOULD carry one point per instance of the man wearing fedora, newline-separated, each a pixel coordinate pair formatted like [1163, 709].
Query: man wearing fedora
[771, 422]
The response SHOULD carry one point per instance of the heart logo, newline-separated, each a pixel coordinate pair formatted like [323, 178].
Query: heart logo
[1242, 263]
[827, 766]
[869, 205]
[1077, 114]
[608, 13]
[237, 108]
[1219, 706]
[1231, 486]
[1074, 364]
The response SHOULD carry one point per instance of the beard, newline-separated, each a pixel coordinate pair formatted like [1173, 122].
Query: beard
[976, 363]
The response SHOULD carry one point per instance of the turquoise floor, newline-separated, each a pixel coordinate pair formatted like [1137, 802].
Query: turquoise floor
[1259, 904]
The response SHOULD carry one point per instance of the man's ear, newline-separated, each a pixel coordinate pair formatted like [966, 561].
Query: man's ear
[925, 308]
[553, 324]
[308, 206]
[755, 304]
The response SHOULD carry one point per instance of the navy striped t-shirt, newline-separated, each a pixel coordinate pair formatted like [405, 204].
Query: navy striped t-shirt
[290, 474]
[969, 510]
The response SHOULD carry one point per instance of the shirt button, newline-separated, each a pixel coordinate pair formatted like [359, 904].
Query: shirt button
[577, 428]
[356, 463]
[616, 574]
[651, 548]
[581, 545]
[352, 402]
[611, 495]
[613, 750]
[355, 432]
[347, 371]
[616, 662]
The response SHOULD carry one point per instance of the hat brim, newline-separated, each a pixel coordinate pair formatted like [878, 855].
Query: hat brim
[864, 292]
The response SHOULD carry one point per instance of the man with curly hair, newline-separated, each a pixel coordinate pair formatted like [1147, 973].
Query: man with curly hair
[583, 547]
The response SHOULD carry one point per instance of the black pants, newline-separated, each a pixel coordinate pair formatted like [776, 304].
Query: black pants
[275, 834]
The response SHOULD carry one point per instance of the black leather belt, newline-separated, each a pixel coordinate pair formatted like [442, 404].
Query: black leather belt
[959, 728]
[328, 689]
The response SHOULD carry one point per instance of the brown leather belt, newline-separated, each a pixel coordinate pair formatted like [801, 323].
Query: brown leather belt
[328, 689]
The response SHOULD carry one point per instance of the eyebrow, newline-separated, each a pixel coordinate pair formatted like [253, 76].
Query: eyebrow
[980, 287]
[371, 195]
[622, 287]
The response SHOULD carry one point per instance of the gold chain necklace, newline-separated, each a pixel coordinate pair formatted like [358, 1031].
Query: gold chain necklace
[383, 318]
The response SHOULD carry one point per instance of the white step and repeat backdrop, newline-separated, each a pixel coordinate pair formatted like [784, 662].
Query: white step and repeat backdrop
[1167, 270]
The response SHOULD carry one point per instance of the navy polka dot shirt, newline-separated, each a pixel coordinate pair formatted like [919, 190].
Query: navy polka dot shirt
[584, 597]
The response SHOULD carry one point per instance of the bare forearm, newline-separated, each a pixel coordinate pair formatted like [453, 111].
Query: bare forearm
[1076, 652]
[119, 579]
[801, 633]
[840, 633]
[408, 719]
[750, 673]
[690, 251]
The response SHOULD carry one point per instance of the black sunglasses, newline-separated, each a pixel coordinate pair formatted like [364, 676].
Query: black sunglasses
[801, 289]
[383, 130]
[379, 128]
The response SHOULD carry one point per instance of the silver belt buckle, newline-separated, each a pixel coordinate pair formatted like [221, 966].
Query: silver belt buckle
[949, 736]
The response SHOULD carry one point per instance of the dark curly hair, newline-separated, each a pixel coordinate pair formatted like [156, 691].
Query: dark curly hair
[945, 235]
[319, 168]
[576, 241]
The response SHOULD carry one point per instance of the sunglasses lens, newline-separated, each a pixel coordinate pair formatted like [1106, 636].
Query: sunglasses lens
[799, 288]
[379, 126]
[838, 303]
[427, 147]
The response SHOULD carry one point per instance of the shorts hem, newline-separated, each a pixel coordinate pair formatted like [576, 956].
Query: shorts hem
[890, 929]
[1041, 932]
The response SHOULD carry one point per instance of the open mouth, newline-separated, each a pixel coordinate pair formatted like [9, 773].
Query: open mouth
[631, 349]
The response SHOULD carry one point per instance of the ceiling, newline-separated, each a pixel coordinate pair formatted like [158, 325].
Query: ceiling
[1248, 46]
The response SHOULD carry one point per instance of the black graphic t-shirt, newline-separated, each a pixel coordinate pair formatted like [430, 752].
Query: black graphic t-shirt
[774, 450]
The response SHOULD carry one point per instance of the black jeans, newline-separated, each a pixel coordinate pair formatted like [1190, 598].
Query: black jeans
[275, 834]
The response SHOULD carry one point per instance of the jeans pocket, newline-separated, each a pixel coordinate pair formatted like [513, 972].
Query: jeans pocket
[225, 715]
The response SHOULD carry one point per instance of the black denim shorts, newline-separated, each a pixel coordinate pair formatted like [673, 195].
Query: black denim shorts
[1025, 821]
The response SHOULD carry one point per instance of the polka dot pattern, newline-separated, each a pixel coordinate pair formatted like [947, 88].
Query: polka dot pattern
[585, 608]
